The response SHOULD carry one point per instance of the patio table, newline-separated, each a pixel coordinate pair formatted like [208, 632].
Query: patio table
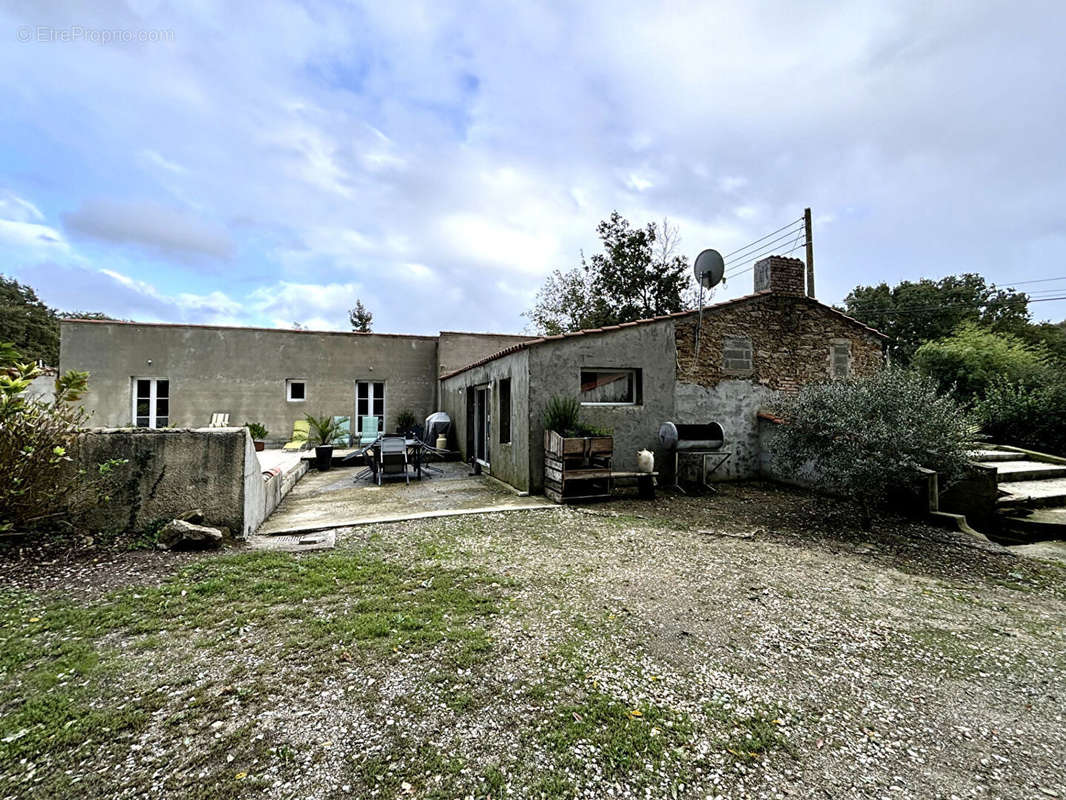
[414, 450]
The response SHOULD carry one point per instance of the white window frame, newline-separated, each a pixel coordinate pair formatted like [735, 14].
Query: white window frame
[636, 379]
[288, 390]
[370, 398]
[153, 397]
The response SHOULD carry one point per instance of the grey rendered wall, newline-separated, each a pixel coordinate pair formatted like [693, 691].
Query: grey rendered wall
[168, 473]
[734, 404]
[508, 462]
[555, 368]
[263, 491]
[456, 350]
[242, 371]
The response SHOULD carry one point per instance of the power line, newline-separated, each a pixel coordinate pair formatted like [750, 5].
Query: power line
[920, 309]
[767, 236]
[763, 248]
[758, 258]
[1038, 280]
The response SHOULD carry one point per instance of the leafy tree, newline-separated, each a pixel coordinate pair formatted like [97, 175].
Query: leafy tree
[28, 323]
[638, 275]
[1033, 417]
[360, 318]
[1052, 335]
[968, 361]
[912, 313]
[863, 437]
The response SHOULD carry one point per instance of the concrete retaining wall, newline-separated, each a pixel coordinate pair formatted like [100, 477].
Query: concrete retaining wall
[168, 473]
[172, 471]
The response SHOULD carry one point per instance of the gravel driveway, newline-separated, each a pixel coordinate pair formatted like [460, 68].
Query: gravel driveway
[752, 644]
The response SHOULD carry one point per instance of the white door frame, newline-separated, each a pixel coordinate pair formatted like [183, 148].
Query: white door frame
[370, 397]
[483, 433]
[153, 396]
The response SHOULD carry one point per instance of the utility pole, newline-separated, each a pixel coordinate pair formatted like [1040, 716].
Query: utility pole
[810, 251]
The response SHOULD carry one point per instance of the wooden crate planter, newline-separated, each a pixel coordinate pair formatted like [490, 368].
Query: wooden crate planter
[577, 468]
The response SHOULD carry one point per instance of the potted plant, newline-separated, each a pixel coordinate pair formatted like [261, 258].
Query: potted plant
[323, 430]
[577, 457]
[405, 422]
[259, 434]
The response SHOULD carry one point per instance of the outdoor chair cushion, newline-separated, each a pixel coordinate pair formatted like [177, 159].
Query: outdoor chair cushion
[344, 432]
[301, 430]
[370, 431]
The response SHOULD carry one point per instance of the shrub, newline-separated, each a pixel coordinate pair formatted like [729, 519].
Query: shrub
[1033, 417]
[323, 429]
[257, 430]
[864, 437]
[561, 413]
[405, 421]
[562, 416]
[41, 485]
[968, 361]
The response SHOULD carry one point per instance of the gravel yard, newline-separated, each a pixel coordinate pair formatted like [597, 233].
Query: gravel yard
[751, 644]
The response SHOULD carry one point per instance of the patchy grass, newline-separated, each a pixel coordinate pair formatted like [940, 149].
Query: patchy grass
[70, 678]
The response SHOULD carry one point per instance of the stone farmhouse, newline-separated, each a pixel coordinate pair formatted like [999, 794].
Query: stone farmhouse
[629, 377]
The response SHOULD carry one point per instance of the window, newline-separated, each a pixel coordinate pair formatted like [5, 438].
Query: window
[505, 411]
[840, 359]
[151, 402]
[295, 391]
[369, 402]
[736, 354]
[600, 387]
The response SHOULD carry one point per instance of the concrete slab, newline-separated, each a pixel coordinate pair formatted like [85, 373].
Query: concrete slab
[1024, 470]
[332, 499]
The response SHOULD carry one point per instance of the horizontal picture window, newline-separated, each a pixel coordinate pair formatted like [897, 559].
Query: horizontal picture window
[610, 387]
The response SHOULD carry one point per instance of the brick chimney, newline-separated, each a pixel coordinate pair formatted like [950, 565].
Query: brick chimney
[780, 275]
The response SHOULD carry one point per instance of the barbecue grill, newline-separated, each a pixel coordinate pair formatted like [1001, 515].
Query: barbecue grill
[704, 439]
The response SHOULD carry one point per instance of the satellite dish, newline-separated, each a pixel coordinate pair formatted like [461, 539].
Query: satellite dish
[709, 268]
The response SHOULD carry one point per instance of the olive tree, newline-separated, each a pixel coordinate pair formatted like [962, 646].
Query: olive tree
[863, 437]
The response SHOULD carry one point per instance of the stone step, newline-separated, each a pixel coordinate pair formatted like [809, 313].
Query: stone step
[1037, 494]
[996, 455]
[1039, 524]
[1024, 470]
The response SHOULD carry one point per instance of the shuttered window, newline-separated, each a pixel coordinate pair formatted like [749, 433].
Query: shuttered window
[841, 359]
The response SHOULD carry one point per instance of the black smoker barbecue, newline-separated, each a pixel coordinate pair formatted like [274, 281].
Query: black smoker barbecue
[703, 440]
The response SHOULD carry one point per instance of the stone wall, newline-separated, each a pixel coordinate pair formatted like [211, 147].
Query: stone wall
[791, 338]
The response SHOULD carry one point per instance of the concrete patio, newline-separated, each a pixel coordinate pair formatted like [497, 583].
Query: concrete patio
[333, 499]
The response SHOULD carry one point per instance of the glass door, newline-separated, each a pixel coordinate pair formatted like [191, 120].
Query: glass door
[482, 423]
[369, 402]
[151, 402]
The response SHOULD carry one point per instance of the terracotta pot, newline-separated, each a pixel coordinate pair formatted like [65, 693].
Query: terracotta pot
[259, 446]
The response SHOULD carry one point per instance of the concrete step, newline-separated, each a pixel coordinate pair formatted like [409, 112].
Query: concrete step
[1036, 525]
[1037, 494]
[996, 455]
[1024, 470]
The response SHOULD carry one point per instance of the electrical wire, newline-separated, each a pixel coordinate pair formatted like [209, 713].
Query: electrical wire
[767, 236]
[919, 309]
[758, 258]
[763, 248]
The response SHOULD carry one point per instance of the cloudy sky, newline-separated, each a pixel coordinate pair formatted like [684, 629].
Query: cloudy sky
[266, 163]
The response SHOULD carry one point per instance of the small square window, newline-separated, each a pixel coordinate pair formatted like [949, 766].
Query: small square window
[736, 354]
[610, 387]
[295, 391]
